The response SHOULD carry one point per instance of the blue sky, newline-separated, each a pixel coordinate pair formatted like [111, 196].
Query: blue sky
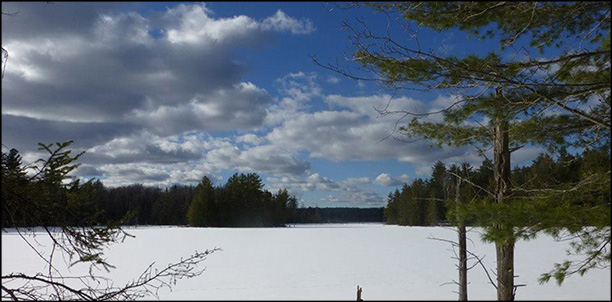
[166, 93]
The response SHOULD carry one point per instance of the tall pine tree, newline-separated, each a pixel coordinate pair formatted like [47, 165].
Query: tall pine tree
[505, 101]
[201, 212]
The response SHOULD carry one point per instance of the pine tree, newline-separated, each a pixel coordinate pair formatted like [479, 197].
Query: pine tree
[439, 182]
[292, 206]
[283, 206]
[505, 102]
[391, 210]
[201, 212]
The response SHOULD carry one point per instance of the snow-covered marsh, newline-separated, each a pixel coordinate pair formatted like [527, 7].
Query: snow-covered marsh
[325, 262]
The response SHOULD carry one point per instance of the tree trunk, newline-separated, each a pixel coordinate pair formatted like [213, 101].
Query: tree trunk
[462, 249]
[505, 247]
[505, 271]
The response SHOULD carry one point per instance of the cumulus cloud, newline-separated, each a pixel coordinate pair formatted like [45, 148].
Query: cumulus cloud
[24, 133]
[348, 135]
[251, 139]
[268, 159]
[357, 181]
[240, 107]
[297, 91]
[387, 180]
[367, 198]
[311, 182]
[166, 160]
[114, 175]
[282, 22]
[300, 86]
[160, 99]
[354, 128]
[146, 147]
[345, 193]
[372, 106]
[196, 26]
[110, 71]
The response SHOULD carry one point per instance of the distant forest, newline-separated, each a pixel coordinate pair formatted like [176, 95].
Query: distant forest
[145, 205]
[432, 201]
[241, 202]
[156, 206]
[337, 215]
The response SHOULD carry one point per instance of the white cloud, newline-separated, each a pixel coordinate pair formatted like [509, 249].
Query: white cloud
[169, 74]
[347, 135]
[281, 22]
[372, 106]
[346, 192]
[250, 139]
[241, 107]
[128, 28]
[298, 90]
[175, 81]
[147, 147]
[162, 175]
[331, 135]
[159, 160]
[404, 178]
[269, 159]
[357, 198]
[356, 181]
[332, 80]
[197, 27]
[282, 110]
[387, 180]
[300, 86]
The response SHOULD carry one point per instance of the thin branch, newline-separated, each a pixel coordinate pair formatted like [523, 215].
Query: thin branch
[470, 182]
[471, 254]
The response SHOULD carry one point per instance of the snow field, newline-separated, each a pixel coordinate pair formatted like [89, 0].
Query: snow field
[324, 262]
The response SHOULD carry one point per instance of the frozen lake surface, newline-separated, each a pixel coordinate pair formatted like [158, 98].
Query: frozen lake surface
[326, 262]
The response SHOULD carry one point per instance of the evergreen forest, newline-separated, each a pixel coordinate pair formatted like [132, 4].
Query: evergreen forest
[432, 201]
[241, 202]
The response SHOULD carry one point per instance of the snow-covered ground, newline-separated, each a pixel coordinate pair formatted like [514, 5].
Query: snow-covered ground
[326, 262]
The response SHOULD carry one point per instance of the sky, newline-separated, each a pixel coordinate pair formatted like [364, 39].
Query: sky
[166, 93]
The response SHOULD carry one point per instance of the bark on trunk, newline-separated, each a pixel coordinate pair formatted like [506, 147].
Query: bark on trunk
[504, 248]
[505, 271]
[462, 249]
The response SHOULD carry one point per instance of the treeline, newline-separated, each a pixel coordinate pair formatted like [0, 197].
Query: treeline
[337, 215]
[242, 201]
[431, 202]
[143, 205]
[27, 199]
